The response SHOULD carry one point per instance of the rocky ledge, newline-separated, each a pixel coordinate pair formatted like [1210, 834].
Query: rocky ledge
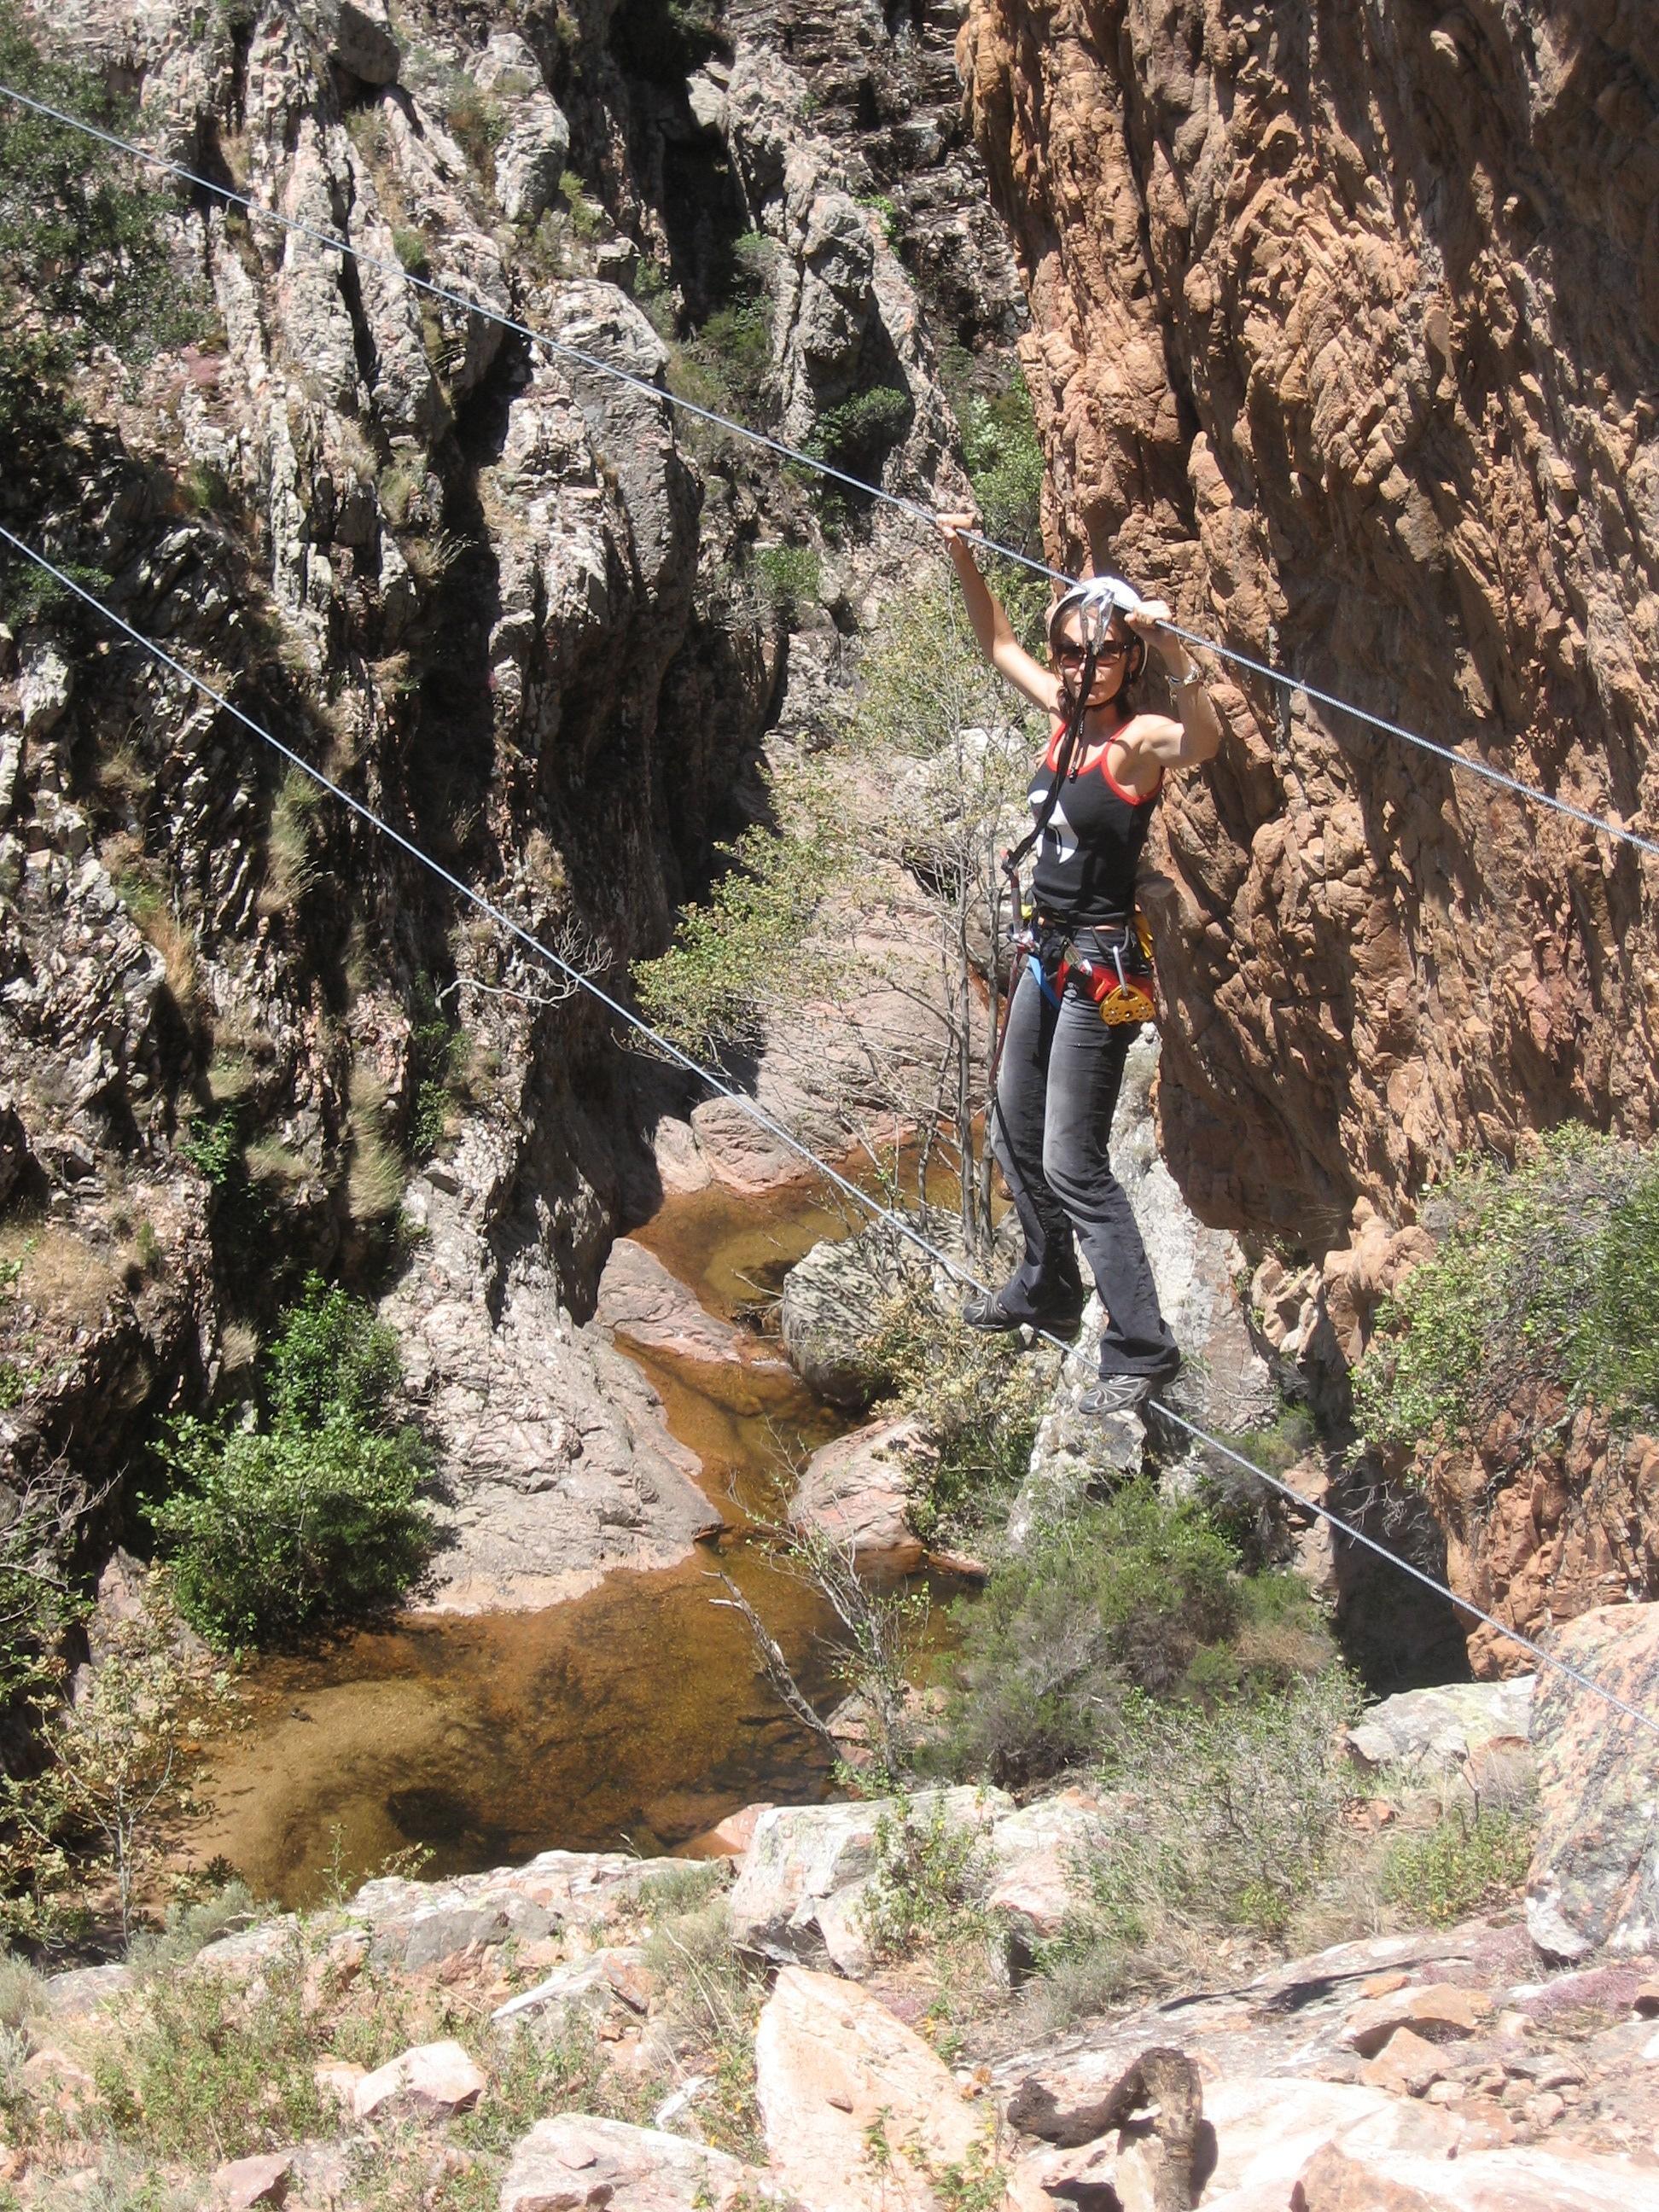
[1456, 2070]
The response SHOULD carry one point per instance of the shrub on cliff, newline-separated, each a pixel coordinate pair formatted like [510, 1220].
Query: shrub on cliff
[978, 1400]
[1219, 1823]
[744, 956]
[84, 257]
[1122, 1597]
[1546, 1281]
[313, 1515]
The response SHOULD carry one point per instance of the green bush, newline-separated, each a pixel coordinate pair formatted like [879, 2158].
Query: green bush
[789, 577]
[206, 2071]
[744, 952]
[439, 1053]
[978, 1399]
[1003, 455]
[1468, 1860]
[881, 205]
[739, 338]
[314, 1515]
[1547, 1277]
[212, 1145]
[410, 246]
[477, 123]
[1004, 458]
[857, 435]
[931, 1878]
[84, 258]
[1122, 1596]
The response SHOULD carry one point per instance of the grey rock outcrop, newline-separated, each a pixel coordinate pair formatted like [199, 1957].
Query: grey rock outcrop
[846, 319]
[832, 1301]
[535, 142]
[471, 631]
[1425, 1733]
[558, 1463]
[1594, 1875]
[577, 2162]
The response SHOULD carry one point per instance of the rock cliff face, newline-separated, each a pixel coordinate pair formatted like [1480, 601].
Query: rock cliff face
[465, 583]
[1346, 339]
[499, 598]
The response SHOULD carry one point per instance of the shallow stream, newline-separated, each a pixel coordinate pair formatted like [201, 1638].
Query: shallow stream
[630, 1717]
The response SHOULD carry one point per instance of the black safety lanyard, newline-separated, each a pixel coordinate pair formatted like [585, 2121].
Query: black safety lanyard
[1066, 760]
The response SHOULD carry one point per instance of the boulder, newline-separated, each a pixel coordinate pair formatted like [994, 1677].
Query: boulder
[595, 1983]
[357, 34]
[641, 1300]
[831, 1301]
[1595, 1874]
[856, 1491]
[573, 2164]
[1036, 1852]
[245, 2182]
[434, 2081]
[857, 2112]
[1426, 1733]
[728, 1838]
[802, 1878]
[1346, 2177]
[740, 1152]
[680, 1165]
[1439, 2012]
[536, 145]
[1268, 2127]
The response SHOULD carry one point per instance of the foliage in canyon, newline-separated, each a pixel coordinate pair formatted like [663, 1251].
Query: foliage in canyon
[1544, 1290]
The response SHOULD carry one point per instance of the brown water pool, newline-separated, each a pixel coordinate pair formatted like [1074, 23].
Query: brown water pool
[632, 1716]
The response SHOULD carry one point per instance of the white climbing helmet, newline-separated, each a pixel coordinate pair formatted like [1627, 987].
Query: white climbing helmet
[1094, 602]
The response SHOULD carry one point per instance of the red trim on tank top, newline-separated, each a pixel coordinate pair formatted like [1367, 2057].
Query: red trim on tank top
[1049, 762]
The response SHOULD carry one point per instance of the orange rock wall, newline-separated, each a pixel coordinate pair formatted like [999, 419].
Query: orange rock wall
[1345, 339]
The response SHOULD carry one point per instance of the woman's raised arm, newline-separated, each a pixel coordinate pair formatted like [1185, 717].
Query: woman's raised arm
[992, 632]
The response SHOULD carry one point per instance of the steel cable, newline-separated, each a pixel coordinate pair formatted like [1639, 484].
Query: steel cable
[1601, 824]
[752, 1108]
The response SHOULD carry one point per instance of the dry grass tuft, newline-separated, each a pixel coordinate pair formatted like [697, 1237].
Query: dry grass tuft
[269, 1161]
[239, 1350]
[376, 1175]
[229, 1076]
[291, 865]
[58, 1271]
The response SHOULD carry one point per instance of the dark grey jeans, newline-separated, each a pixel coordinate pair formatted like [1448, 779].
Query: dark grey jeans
[1056, 1092]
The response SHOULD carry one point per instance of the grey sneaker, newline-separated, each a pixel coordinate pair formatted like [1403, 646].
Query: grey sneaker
[990, 1313]
[1117, 1393]
[1125, 1393]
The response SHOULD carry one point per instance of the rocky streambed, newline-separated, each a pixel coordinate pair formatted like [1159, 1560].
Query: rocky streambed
[628, 1712]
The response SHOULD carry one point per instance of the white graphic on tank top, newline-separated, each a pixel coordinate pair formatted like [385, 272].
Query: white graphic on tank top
[1059, 838]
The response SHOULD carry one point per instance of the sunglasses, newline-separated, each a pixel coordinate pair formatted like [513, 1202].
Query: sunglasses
[1073, 656]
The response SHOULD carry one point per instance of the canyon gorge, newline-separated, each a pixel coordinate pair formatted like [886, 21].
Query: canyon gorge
[1339, 326]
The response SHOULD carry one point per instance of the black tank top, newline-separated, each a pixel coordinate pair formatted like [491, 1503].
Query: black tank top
[1086, 859]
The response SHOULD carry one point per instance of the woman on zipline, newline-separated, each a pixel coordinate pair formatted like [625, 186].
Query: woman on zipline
[1072, 1016]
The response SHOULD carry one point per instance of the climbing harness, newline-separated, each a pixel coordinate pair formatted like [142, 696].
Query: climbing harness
[1120, 979]
[226, 195]
[898, 1223]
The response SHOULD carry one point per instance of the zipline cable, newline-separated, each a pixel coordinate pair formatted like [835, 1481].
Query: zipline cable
[758, 1114]
[1601, 824]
